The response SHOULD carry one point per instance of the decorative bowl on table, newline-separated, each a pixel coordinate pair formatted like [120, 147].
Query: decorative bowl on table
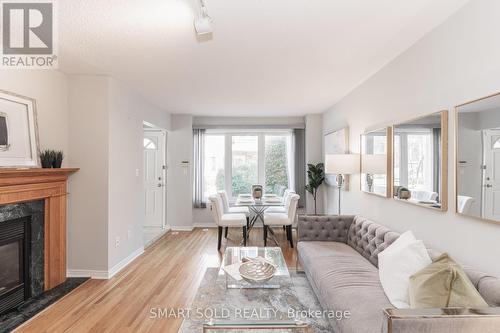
[255, 271]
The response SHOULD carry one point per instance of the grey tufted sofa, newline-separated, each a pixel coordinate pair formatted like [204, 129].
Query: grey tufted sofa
[339, 255]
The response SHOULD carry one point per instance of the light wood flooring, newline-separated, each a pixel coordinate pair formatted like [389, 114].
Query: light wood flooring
[167, 275]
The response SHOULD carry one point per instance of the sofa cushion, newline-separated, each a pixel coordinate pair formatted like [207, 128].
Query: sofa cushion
[443, 284]
[403, 258]
[369, 238]
[344, 280]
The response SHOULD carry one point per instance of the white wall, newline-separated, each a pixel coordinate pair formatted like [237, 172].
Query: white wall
[127, 111]
[180, 178]
[455, 63]
[249, 121]
[106, 135]
[470, 151]
[88, 199]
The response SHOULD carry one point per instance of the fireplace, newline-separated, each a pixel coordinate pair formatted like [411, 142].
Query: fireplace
[15, 253]
[21, 253]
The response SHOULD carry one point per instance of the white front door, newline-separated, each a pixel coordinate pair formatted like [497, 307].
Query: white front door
[491, 174]
[154, 178]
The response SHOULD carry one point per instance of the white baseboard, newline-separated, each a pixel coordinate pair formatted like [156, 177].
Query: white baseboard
[93, 274]
[181, 228]
[205, 225]
[124, 263]
[104, 275]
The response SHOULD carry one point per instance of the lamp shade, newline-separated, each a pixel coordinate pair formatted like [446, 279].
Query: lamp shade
[345, 164]
[375, 164]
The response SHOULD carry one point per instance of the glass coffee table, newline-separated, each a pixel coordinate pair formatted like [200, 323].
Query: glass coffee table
[235, 255]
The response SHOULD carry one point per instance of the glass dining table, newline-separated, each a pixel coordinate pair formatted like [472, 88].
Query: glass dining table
[258, 207]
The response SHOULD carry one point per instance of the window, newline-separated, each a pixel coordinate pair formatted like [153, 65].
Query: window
[149, 144]
[213, 165]
[496, 145]
[236, 160]
[245, 163]
[276, 163]
[420, 161]
[413, 160]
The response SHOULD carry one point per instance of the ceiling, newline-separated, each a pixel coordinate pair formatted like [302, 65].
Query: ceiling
[265, 57]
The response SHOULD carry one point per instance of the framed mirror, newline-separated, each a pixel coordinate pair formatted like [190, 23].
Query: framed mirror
[477, 174]
[376, 148]
[420, 159]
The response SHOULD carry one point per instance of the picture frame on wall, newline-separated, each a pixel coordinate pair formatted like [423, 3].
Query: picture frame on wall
[19, 145]
[336, 142]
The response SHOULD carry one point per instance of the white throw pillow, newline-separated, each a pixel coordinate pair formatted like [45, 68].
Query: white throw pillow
[403, 240]
[397, 263]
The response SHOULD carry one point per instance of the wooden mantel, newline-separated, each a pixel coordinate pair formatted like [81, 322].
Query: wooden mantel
[23, 185]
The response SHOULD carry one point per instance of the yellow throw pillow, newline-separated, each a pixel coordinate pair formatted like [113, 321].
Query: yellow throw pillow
[443, 284]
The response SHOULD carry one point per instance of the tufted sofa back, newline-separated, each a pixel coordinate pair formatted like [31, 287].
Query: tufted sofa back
[325, 228]
[369, 238]
[363, 235]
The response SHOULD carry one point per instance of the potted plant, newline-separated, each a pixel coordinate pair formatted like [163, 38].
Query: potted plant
[47, 158]
[58, 159]
[316, 177]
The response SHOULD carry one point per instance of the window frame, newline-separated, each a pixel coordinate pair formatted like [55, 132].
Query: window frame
[261, 144]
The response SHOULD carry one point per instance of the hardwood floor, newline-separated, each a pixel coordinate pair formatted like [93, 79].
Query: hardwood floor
[167, 275]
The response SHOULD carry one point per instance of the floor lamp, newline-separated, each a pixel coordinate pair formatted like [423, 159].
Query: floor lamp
[342, 165]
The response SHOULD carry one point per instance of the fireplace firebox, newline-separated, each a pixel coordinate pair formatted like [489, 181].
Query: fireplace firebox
[14, 262]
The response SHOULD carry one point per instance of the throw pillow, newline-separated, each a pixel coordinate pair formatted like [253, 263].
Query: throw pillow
[403, 240]
[443, 284]
[405, 257]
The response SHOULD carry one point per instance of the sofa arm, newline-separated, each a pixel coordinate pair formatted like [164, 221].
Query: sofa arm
[448, 320]
[330, 228]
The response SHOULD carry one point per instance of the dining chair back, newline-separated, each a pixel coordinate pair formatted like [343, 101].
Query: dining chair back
[224, 221]
[225, 200]
[216, 207]
[292, 206]
[288, 198]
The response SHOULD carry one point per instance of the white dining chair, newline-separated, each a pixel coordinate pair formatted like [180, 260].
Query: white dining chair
[233, 210]
[226, 220]
[286, 202]
[282, 219]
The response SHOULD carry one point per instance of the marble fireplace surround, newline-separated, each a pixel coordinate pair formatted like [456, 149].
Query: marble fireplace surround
[50, 187]
[34, 210]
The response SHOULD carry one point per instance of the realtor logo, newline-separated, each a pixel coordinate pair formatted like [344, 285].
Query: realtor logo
[28, 34]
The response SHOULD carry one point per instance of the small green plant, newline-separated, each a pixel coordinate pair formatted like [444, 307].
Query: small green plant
[47, 158]
[58, 159]
[316, 177]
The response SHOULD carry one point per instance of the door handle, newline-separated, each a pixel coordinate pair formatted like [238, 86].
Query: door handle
[488, 185]
[160, 185]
